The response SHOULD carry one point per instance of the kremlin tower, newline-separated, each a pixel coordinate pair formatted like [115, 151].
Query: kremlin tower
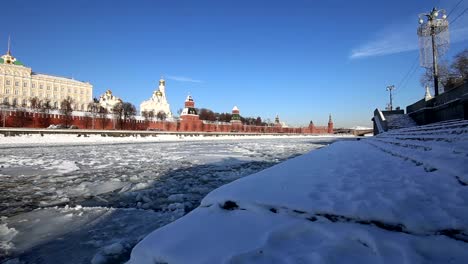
[236, 123]
[311, 127]
[277, 121]
[189, 119]
[235, 115]
[330, 125]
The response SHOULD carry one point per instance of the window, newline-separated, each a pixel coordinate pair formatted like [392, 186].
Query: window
[41, 86]
[8, 82]
[7, 91]
[63, 88]
[15, 102]
[81, 92]
[75, 91]
[6, 100]
[33, 85]
[55, 88]
[25, 84]
[33, 94]
[69, 90]
[48, 87]
[16, 83]
[16, 92]
[25, 102]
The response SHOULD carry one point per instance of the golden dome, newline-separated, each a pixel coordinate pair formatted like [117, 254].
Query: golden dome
[159, 93]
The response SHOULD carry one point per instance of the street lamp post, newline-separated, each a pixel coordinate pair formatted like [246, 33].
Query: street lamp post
[390, 88]
[435, 25]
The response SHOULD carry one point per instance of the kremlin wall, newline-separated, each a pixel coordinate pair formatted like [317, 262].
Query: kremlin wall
[189, 122]
[21, 89]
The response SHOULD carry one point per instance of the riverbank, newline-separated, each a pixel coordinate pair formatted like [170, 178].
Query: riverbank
[73, 137]
[400, 197]
[93, 203]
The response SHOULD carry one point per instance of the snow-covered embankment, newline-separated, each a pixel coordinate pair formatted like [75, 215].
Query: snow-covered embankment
[400, 197]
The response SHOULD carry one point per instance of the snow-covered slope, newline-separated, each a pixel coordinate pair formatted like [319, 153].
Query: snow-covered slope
[400, 197]
[399, 121]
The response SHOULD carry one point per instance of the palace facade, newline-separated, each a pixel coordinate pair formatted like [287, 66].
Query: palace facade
[19, 84]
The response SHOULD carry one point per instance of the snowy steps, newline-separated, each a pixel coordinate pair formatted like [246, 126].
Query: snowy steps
[391, 198]
[430, 146]
[399, 121]
[456, 234]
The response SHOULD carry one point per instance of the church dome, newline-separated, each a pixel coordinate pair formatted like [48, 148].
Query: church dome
[159, 93]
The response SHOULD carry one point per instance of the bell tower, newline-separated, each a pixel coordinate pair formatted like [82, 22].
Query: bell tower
[162, 86]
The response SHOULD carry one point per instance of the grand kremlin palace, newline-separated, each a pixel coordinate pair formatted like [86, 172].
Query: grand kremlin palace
[18, 84]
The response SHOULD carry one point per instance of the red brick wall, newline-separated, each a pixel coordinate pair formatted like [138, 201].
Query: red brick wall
[186, 124]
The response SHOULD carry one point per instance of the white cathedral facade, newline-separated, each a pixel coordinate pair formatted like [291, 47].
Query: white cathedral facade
[158, 102]
[109, 101]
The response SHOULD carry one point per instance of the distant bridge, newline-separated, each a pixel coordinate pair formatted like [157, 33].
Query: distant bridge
[360, 132]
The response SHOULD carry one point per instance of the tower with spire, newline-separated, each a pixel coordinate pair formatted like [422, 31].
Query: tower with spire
[235, 118]
[189, 108]
[189, 119]
[8, 58]
[158, 102]
[330, 125]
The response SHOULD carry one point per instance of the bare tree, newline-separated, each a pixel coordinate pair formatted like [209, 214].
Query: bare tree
[102, 113]
[207, 114]
[161, 116]
[93, 109]
[146, 117]
[66, 109]
[129, 112]
[34, 103]
[427, 78]
[118, 112]
[460, 65]
[44, 109]
[449, 76]
[151, 115]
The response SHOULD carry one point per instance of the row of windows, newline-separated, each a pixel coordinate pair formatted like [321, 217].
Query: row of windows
[25, 92]
[41, 86]
[24, 103]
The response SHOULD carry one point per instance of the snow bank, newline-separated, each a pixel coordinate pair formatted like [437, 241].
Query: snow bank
[372, 201]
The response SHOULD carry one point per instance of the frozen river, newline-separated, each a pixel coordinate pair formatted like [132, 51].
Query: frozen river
[95, 202]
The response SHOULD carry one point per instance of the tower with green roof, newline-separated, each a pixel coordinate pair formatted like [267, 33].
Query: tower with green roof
[8, 58]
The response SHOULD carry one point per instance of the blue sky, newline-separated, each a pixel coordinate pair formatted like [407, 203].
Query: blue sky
[299, 59]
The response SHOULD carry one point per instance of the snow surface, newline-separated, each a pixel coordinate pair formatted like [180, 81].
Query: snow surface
[93, 203]
[400, 197]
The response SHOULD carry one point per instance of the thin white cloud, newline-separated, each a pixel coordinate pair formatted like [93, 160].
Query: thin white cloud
[401, 38]
[183, 79]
